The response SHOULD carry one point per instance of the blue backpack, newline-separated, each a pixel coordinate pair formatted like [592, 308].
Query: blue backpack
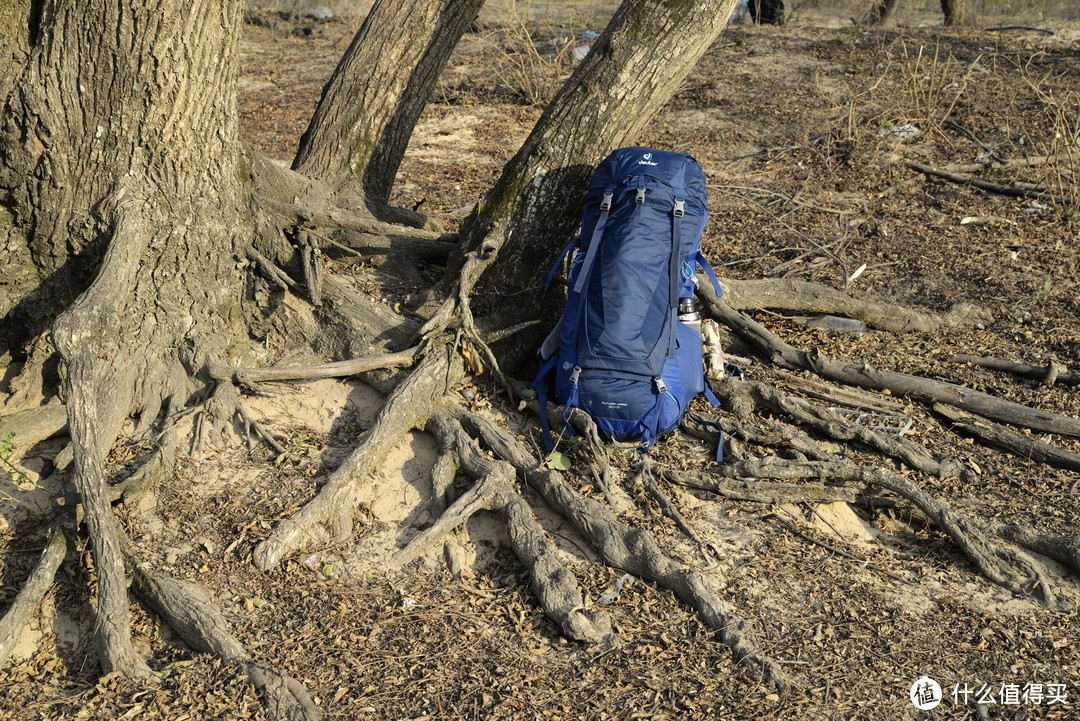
[619, 351]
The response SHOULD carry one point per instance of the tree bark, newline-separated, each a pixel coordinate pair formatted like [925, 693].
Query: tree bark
[370, 105]
[18, 28]
[960, 12]
[99, 131]
[879, 13]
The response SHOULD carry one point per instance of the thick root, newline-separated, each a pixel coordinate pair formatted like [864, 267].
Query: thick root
[1020, 575]
[112, 629]
[742, 482]
[554, 585]
[899, 384]
[31, 594]
[327, 518]
[805, 297]
[187, 608]
[1063, 549]
[767, 398]
[633, 550]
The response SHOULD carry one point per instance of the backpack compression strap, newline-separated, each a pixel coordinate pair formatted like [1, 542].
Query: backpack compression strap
[673, 269]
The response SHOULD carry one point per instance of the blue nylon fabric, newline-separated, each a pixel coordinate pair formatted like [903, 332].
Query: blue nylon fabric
[641, 367]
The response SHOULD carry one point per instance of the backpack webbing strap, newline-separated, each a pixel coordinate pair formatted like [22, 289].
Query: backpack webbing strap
[594, 243]
[540, 384]
[558, 262]
[720, 430]
[710, 272]
[673, 268]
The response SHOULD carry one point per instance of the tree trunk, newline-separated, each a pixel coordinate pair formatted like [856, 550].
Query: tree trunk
[634, 67]
[369, 107]
[99, 132]
[960, 12]
[879, 13]
[121, 163]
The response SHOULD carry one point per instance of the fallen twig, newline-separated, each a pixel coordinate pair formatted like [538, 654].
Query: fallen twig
[1011, 190]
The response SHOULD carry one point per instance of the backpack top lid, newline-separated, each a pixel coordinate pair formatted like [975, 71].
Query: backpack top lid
[679, 170]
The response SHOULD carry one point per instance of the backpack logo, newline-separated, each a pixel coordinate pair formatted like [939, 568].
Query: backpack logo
[646, 159]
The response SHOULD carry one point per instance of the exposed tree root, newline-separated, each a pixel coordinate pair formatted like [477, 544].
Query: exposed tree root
[327, 518]
[554, 585]
[830, 548]
[1063, 549]
[767, 398]
[900, 384]
[994, 434]
[742, 482]
[31, 594]
[632, 550]
[1020, 575]
[843, 395]
[187, 608]
[648, 479]
[112, 628]
[782, 436]
[805, 297]
[1050, 374]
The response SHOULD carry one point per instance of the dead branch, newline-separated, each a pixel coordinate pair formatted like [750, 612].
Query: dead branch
[994, 434]
[271, 271]
[31, 594]
[1051, 374]
[632, 550]
[806, 297]
[336, 369]
[260, 431]
[899, 384]
[1010, 190]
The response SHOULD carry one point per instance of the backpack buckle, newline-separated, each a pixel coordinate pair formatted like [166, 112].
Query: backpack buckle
[640, 196]
[661, 387]
[605, 204]
[574, 375]
[680, 208]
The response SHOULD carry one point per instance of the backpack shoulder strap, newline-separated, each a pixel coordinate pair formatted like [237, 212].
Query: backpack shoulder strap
[558, 262]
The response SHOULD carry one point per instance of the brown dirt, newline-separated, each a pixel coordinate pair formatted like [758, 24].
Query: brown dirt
[787, 123]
